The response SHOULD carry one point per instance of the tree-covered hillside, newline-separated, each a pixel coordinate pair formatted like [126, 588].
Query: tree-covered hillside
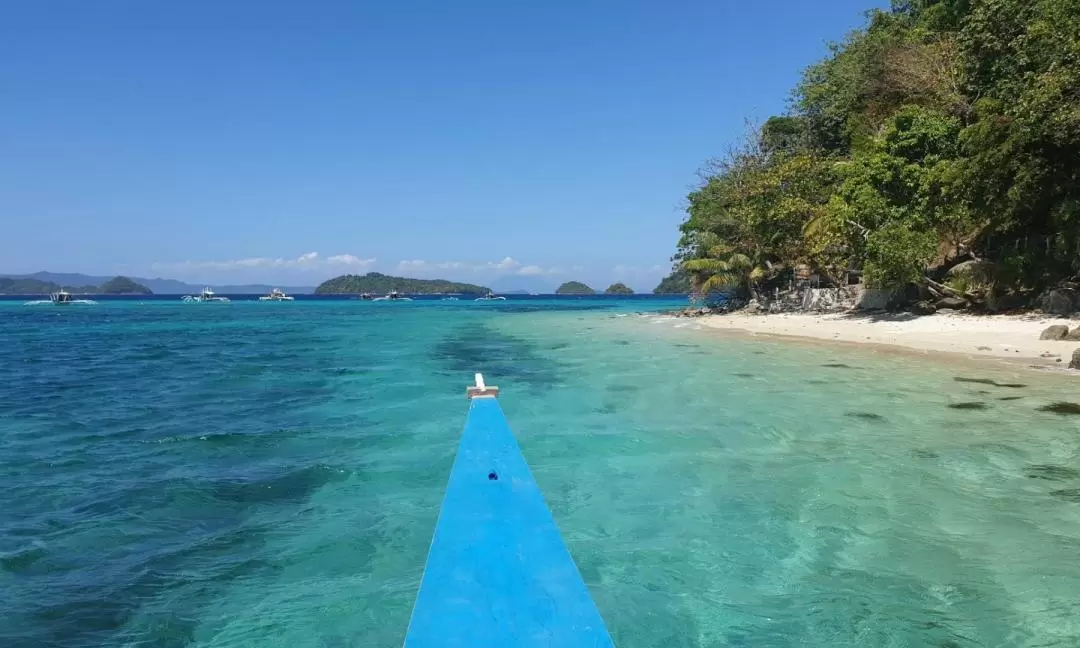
[676, 283]
[574, 288]
[122, 286]
[30, 286]
[943, 132]
[374, 282]
[619, 288]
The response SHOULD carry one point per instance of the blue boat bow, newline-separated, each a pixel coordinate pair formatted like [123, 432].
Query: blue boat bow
[498, 572]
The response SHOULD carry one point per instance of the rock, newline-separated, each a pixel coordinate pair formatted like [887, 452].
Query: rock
[1058, 301]
[923, 308]
[874, 298]
[981, 271]
[1075, 362]
[956, 303]
[996, 303]
[1074, 335]
[1055, 332]
[946, 311]
[753, 306]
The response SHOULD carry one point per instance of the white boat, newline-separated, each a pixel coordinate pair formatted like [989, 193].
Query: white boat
[61, 298]
[276, 294]
[207, 295]
[393, 295]
[490, 297]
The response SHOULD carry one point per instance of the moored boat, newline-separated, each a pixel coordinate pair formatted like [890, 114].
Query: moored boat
[490, 297]
[393, 295]
[61, 298]
[206, 295]
[276, 294]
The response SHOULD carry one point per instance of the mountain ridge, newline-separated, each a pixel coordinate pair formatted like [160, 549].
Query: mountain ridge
[158, 286]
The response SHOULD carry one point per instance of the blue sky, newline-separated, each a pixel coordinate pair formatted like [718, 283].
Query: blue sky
[289, 142]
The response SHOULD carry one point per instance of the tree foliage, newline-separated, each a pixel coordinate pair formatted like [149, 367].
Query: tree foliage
[374, 282]
[943, 131]
[676, 283]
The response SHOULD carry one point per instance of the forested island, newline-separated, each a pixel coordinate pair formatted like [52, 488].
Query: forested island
[574, 288]
[29, 286]
[937, 150]
[374, 282]
[122, 286]
[619, 288]
[676, 283]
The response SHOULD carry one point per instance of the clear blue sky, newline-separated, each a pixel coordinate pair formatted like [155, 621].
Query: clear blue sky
[225, 140]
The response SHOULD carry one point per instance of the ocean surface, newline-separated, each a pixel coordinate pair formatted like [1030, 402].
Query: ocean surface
[269, 475]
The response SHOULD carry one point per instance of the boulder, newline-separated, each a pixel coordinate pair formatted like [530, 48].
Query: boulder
[874, 298]
[1058, 301]
[996, 303]
[979, 270]
[923, 308]
[1074, 335]
[753, 306]
[955, 303]
[1055, 332]
[1075, 362]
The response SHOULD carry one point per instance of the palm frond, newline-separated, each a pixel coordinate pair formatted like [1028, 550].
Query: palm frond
[739, 262]
[721, 281]
[706, 266]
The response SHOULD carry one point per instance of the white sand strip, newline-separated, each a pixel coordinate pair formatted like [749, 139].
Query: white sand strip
[1002, 336]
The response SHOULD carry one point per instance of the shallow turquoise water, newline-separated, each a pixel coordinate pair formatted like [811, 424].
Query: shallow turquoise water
[270, 475]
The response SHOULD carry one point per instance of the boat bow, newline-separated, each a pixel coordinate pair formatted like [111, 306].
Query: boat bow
[498, 572]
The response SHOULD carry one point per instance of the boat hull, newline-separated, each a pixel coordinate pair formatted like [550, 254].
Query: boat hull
[498, 573]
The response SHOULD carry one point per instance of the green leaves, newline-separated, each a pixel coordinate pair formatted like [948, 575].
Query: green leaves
[944, 130]
[897, 254]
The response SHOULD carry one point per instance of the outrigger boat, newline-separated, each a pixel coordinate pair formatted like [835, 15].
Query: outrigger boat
[61, 298]
[207, 295]
[393, 295]
[276, 294]
[498, 572]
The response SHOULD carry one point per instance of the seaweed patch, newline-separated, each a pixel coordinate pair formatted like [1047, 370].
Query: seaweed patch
[968, 406]
[1061, 407]
[869, 416]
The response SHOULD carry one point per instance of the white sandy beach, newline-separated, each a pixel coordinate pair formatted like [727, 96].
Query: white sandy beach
[997, 336]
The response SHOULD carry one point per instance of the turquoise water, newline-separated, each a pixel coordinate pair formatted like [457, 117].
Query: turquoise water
[270, 475]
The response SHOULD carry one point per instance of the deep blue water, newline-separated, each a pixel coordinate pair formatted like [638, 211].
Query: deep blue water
[269, 474]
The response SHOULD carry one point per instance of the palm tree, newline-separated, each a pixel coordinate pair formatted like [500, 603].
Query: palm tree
[721, 267]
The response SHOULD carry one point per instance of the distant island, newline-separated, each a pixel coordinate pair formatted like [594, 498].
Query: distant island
[75, 282]
[619, 288]
[574, 288]
[374, 282]
[122, 286]
[30, 286]
[676, 283]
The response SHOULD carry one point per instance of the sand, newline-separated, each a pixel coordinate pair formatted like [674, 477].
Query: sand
[1015, 337]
